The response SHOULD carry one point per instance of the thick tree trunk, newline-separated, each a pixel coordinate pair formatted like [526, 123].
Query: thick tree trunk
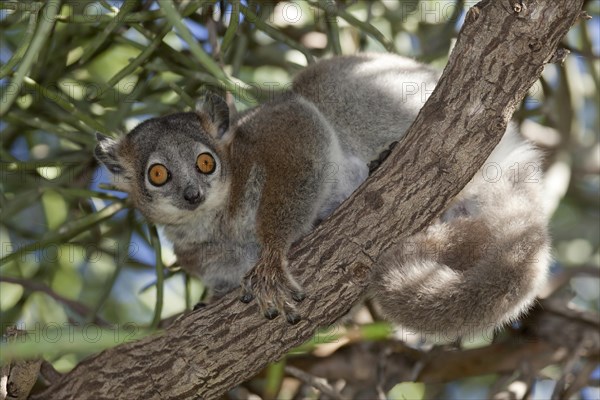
[500, 53]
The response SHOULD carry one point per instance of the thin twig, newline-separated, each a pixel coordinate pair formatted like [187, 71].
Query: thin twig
[318, 383]
[160, 277]
[561, 385]
[587, 317]
[581, 379]
[528, 374]
[362, 26]
[49, 373]
[332, 25]
[75, 306]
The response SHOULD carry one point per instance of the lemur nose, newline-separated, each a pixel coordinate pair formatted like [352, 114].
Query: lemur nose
[192, 195]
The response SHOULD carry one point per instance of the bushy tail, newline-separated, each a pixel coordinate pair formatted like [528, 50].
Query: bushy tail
[481, 265]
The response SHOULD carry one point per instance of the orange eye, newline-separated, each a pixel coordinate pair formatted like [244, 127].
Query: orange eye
[205, 163]
[158, 174]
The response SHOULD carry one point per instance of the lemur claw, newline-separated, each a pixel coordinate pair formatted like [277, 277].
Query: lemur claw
[246, 298]
[275, 291]
[271, 313]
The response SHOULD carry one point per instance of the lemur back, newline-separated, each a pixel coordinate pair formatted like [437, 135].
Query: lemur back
[232, 192]
[369, 99]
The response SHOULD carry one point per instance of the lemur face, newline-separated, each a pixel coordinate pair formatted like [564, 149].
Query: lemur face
[172, 166]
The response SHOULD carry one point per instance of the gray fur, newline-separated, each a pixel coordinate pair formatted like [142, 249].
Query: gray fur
[286, 164]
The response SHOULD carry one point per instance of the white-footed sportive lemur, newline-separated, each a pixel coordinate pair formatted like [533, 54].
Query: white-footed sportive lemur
[231, 191]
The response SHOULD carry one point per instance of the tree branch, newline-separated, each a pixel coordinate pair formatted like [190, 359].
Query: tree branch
[500, 53]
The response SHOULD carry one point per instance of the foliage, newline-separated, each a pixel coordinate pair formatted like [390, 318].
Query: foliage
[76, 258]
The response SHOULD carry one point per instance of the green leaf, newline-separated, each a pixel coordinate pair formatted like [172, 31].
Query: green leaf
[55, 209]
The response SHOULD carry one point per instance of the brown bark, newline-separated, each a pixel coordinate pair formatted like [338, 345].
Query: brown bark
[500, 53]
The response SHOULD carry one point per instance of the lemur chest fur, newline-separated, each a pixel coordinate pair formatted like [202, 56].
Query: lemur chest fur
[220, 242]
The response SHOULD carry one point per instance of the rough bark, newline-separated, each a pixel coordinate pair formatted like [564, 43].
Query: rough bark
[500, 53]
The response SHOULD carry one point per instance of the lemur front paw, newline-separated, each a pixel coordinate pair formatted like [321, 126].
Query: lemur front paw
[275, 291]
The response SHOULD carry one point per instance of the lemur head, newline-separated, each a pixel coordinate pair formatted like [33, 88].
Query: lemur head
[173, 166]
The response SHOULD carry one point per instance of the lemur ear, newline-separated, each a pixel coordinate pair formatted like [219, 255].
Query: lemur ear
[217, 110]
[106, 153]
